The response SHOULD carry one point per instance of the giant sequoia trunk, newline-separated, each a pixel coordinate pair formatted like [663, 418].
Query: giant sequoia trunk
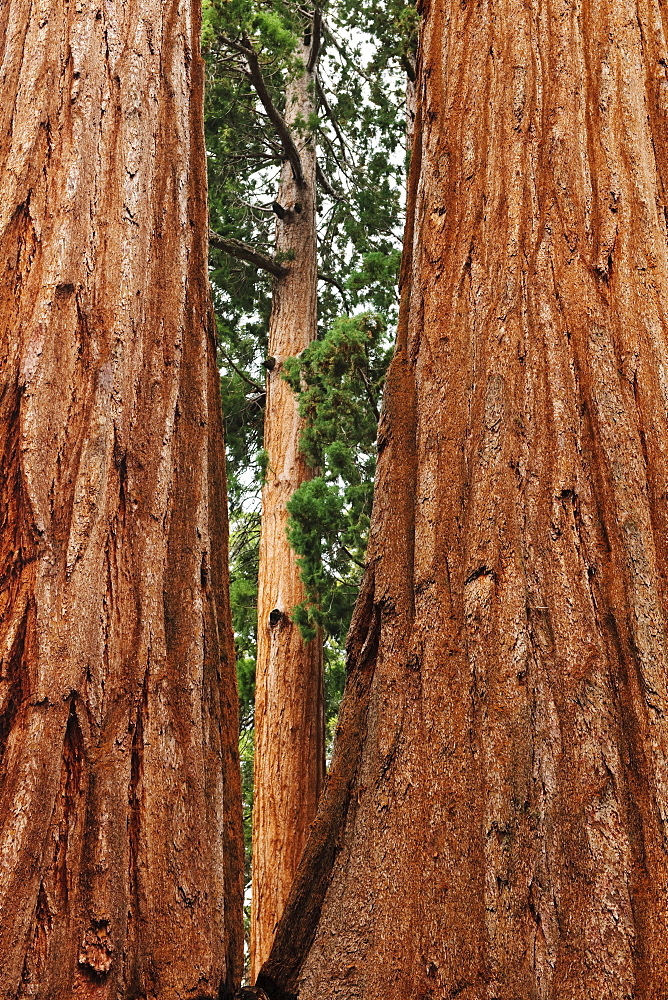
[120, 839]
[289, 715]
[495, 824]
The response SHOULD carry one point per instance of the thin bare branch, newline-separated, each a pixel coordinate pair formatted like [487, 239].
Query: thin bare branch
[243, 251]
[370, 393]
[344, 167]
[325, 185]
[242, 375]
[337, 284]
[348, 553]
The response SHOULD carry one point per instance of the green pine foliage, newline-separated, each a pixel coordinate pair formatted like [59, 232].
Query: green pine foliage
[239, 161]
[338, 381]
[244, 548]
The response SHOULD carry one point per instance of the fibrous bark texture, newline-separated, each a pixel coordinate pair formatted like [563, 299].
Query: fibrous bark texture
[495, 824]
[120, 827]
[289, 720]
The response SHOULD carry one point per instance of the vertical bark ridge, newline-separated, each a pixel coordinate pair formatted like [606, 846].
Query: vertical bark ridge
[510, 833]
[120, 815]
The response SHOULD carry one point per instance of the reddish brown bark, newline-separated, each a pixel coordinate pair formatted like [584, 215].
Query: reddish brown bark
[289, 710]
[495, 824]
[120, 827]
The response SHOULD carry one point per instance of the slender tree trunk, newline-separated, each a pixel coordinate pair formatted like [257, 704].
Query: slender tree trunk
[496, 819]
[289, 715]
[120, 826]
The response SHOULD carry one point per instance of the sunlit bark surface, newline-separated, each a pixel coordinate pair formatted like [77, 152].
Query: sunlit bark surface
[495, 823]
[289, 722]
[120, 841]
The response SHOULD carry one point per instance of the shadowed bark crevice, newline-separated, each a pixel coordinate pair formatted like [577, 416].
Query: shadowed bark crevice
[70, 787]
[37, 953]
[12, 682]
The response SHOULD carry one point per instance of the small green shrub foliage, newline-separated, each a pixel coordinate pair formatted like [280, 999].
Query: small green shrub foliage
[338, 381]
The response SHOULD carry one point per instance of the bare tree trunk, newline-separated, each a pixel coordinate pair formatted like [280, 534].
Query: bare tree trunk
[495, 823]
[120, 812]
[289, 713]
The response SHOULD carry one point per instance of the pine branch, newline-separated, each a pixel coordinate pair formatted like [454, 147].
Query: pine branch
[235, 46]
[325, 185]
[348, 553]
[242, 375]
[243, 251]
[289, 148]
[337, 284]
[370, 393]
[316, 40]
[355, 67]
[332, 117]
